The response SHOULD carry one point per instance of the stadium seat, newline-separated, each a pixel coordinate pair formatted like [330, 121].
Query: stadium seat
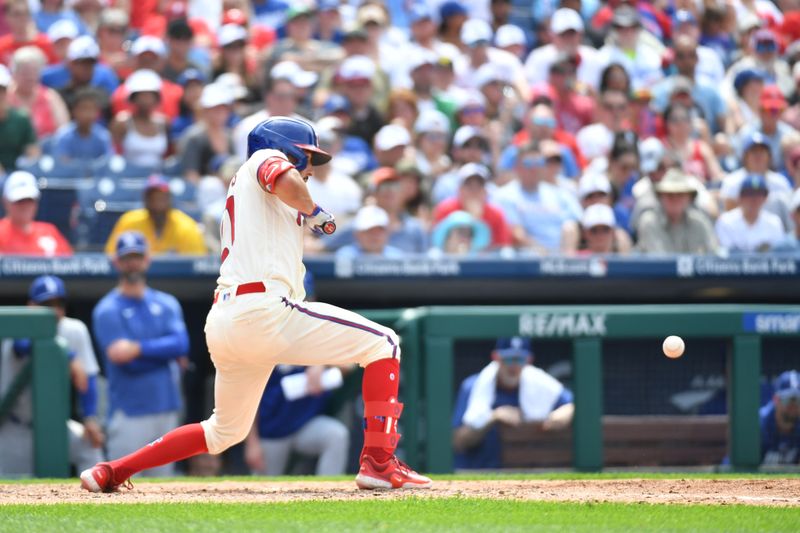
[59, 183]
[103, 204]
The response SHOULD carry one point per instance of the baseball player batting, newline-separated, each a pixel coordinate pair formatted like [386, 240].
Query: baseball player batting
[259, 319]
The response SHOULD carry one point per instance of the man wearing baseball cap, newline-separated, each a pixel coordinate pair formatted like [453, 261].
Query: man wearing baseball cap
[166, 229]
[749, 227]
[780, 422]
[150, 53]
[757, 159]
[142, 337]
[371, 230]
[81, 69]
[16, 435]
[510, 391]
[20, 234]
[567, 29]
[771, 104]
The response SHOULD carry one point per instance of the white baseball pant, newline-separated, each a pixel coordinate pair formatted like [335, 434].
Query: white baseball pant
[248, 335]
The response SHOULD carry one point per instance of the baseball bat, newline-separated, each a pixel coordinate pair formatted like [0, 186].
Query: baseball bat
[329, 227]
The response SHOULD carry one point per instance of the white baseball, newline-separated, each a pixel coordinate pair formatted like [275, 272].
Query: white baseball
[673, 347]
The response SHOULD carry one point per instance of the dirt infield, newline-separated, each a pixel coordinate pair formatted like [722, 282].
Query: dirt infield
[770, 492]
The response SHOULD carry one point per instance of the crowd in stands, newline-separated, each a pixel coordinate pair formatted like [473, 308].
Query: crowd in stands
[479, 127]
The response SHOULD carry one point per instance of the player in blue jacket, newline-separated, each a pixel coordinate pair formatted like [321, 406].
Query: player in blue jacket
[509, 391]
[780, 422]
[142, 336]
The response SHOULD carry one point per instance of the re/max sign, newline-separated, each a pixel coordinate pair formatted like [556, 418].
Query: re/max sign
[562, 324]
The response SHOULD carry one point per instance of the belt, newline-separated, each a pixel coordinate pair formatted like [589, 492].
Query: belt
[246, 288]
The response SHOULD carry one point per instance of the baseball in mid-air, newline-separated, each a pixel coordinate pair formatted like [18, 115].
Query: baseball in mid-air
[673, 347]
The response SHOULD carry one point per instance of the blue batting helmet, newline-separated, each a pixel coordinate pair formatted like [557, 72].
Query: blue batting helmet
[46, 288]
[288, 135]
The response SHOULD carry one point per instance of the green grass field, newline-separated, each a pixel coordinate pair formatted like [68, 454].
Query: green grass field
[409, 514]
[417, 514]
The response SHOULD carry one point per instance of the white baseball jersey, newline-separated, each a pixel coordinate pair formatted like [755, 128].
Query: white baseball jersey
[261, 237]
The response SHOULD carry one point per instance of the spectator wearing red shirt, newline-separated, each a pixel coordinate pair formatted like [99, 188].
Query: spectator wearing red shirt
[23, 32]
[20, 234]
[149, 53]
[473, 198]
[573, 110]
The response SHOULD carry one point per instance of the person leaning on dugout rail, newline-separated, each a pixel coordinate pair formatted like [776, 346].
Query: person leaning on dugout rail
[510, 391]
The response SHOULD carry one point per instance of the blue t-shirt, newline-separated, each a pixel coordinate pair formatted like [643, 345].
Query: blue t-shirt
[541, 212]
[279, 417]
[776, 447]
[58, 76]
[488, 453]
[148, 384]
[69, 144]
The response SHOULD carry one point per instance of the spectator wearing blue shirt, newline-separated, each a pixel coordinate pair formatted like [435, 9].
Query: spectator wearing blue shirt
[81, 69]
[371, 230]
[509, 391]
[142, 337]
[293, 421]
[535, 208]
[780, 422]
[83, 138]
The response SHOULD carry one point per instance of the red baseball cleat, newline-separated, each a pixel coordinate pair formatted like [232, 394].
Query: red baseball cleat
[393, 474]
[100, 478]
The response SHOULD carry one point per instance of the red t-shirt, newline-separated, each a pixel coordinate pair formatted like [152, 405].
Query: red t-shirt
[43, 239]
[8, 46]
[171, 94]
[492, 216]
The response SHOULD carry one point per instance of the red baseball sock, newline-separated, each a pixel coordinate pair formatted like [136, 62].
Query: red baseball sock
[381, 383]
[178, 444]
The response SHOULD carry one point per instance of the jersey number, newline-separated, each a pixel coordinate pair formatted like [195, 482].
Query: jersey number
[227, 229]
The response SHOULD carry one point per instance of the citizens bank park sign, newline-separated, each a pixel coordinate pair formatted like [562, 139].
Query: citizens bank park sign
[562, 324]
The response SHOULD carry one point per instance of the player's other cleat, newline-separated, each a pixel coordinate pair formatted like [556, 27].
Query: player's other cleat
[393, 474]
[100, 478]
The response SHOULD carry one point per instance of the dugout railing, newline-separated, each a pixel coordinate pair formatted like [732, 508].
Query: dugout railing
[47, 370]
[429, 335]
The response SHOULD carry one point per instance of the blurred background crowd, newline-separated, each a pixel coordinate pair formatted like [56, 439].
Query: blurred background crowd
[505, 127]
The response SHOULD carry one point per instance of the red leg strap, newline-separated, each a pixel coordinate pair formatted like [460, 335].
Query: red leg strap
[374, 439]
[385, 409]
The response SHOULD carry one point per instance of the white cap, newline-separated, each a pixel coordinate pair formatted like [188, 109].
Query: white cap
[419, 57]
[62, 29]
[591, 183]
[508, 35]
[566, 19]
[233, 82]
[598, 215]
[473, 169]
[294, 73]
[465, 133]
[5, 76]
[143, 81]
[651, 152]
[370, 216]
[148, 43]
[357, 68]
[430, 121]
[83, 47]
[796, 200]
[489, 72]
[474, 31]
[391, 136]
[328, 129]
[230, 33]
[470, 98]
[215, 94]
[20, 185]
